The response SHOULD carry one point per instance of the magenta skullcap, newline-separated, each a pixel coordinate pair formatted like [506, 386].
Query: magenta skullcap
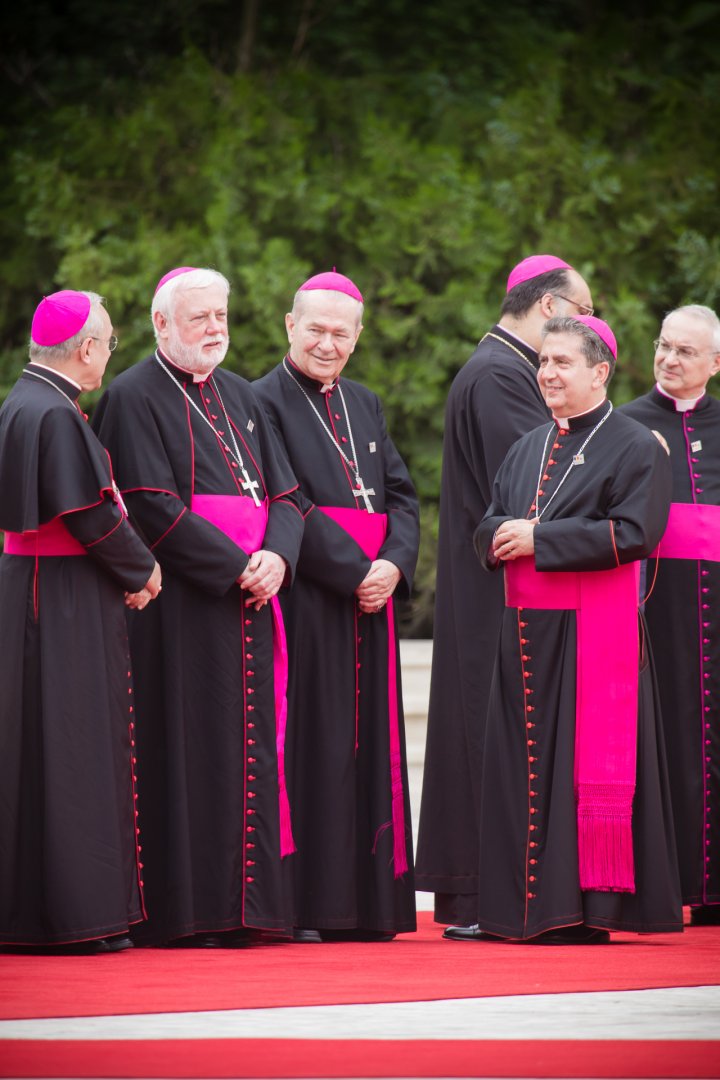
[59, 317]
[602, 330]
[332, 282]
[533, 266]
[173, 274]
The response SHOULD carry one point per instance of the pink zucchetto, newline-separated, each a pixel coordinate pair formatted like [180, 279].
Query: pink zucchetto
[59, 317]
[173, 274]
[602, 330]
[332, 282]
[533, 267]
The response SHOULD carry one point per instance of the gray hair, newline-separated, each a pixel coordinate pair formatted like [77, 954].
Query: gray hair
[53, 355]
[165, 298]
[592, 347]
[705, 314]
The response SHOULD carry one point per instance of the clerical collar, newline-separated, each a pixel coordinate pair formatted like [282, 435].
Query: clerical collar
[681, 404]
[308, 381]
[583, 419]
[518, 346]
[184, 373]
[62, 382]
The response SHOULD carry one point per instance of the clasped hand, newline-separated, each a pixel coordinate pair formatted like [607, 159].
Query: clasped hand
[514, 539]
[151, 588]
[263, 576]
[377, 586]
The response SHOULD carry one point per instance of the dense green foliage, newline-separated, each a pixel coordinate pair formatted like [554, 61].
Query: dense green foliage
[422, 148]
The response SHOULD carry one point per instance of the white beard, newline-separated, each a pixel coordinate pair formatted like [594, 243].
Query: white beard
[192, 358]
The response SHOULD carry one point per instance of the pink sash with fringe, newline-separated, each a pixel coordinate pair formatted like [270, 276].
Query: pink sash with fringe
[693, 532]
[606, 708]
[369, 531]
[244, 522]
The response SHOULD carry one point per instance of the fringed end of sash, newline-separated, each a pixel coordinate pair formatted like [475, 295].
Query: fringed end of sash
[605, 841]
[400, 863]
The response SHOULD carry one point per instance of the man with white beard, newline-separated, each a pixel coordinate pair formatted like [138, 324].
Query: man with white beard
[210, 490]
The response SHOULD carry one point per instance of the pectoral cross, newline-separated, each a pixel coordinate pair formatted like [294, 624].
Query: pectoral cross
[250, 485]
[361, 492]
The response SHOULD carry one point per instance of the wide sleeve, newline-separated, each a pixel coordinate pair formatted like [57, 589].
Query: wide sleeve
[184, 543]
[491, 522]
[631, 522]
[111, 541]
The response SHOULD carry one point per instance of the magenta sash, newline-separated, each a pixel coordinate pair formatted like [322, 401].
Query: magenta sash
[244, 522]
[606, 602]
[693, 532]
[50, 539]
[369, 531]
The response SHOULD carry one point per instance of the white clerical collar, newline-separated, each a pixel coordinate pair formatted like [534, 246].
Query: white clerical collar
[518, 338]
[681, 404]
[35, 363]
[563, 422]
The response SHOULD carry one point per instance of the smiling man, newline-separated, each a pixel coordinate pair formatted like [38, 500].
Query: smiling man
[346, 754]
[575, 830]
[683, 607]
[208, 486]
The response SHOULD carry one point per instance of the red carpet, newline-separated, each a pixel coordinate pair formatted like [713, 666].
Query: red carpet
[361, 1058]
[414, 967]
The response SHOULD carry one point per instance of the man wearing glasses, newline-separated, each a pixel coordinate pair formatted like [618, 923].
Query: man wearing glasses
[493, 401]
[70, 877]
[683, 607]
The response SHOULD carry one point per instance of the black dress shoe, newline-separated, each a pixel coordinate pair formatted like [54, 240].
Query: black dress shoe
[705, 915]
[302, 936]
[571, 935]
[469, 933]
[118, 943]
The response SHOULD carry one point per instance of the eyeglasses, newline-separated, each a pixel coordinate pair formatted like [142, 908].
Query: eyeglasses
[683, 352]
[582, 308]
[111, 342]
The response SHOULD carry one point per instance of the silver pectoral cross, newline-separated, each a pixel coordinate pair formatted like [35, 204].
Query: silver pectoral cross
[250, 485]
[361, 492]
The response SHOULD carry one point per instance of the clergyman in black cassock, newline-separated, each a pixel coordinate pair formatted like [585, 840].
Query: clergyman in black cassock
[493, 400]
[209, 487]
[346, 758]
[683, 605]
[576, 827]
[69, 865]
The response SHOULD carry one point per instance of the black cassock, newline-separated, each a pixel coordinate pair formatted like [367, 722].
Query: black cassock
[68, 856]
[338, 754]
[682, 612]
[207, 759]
[493, 400]
[610, 510]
